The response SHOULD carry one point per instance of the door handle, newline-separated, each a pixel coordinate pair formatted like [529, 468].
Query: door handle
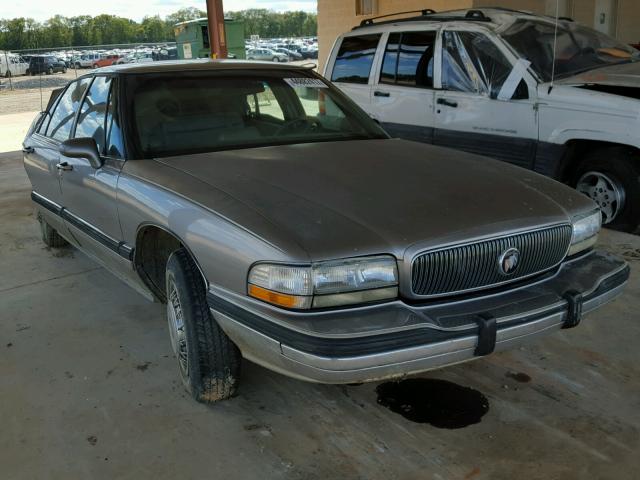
[448, 103]
[28, 149]
[64, 166]
[378, 93]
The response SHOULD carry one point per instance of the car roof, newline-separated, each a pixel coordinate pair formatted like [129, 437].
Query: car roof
[493, 18]
[201, 64]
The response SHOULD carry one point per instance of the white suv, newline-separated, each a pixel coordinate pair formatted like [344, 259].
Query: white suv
[481, 81]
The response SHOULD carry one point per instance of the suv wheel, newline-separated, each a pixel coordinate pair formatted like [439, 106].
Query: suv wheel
[611, 178]
[50, 235]
[209, 362]
[50, 71]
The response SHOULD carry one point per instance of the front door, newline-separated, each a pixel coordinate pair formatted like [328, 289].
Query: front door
[89, 193]
[403, 95]
[352, 67]
[485, 105]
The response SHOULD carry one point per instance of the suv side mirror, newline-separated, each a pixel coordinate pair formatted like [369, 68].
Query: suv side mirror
[82, 148]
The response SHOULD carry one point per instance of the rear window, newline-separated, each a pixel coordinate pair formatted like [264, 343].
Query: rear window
[355, 58]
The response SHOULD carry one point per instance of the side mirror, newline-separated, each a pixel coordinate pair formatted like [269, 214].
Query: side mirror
[82, 148]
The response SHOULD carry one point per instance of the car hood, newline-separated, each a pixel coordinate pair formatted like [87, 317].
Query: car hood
[622, 75]
[351, 198]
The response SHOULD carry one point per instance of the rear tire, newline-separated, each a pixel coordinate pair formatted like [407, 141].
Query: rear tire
[50, 235]
[208, 361]
[611, 177]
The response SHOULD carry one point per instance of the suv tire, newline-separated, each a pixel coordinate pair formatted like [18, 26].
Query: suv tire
[618, 171]
[50, 71]
[208, 361]
[50, 235]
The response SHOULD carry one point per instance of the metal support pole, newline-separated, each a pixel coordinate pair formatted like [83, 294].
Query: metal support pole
[217, 38]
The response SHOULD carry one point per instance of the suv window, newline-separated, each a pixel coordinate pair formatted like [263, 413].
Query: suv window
[64, 113]
[354, 59]
[471, 62]
[408, 59]
[94, 111]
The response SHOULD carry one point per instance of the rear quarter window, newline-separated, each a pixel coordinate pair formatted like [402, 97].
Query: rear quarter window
[355, 58]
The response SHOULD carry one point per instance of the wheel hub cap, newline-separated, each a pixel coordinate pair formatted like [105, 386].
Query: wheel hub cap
[177, 330]
[605, 191]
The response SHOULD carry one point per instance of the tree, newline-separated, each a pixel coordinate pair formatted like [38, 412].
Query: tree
[59, 31]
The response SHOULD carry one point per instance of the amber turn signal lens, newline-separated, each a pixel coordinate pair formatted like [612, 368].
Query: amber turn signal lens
[280, 299]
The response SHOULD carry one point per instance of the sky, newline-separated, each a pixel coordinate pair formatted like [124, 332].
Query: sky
[135, 9]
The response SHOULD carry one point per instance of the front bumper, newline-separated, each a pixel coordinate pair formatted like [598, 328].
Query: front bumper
[393, 339]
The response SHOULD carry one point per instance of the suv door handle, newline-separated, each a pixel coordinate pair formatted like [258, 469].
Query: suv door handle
[64, 166]
[448, 103]
[378, 93]
[28, 149]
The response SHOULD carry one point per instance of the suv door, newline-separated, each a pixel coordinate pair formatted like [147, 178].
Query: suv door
[403, 94]
[485, 105]
[88, 193]
[351, 66]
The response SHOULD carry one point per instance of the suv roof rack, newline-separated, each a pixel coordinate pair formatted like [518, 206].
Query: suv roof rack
[427, 15]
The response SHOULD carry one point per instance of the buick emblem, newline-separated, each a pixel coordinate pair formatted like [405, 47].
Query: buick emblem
[508, 261]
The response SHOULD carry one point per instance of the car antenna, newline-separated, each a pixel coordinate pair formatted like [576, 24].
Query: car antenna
[555, 44]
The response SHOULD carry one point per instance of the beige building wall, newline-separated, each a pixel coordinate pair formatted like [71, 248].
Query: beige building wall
[338, 16]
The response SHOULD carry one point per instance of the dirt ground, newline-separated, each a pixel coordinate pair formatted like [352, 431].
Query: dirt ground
[89, 389]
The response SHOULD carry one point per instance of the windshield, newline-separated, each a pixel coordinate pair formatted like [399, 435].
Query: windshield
[191, 112]
[578, 48]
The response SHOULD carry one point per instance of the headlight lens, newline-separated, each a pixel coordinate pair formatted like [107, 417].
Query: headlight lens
[585, 231]
[326, 284]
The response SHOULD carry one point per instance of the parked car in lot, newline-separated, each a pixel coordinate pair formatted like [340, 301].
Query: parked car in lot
[481, 81]
[45, 64]
[105, 60]
[266, 54]
[135, 57]
[12, 65]
[278, 222]
[291, 55]
[86, 60]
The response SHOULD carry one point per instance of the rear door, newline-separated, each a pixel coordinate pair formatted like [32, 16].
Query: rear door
[42, 159]
[351, 65]
[403, 94]
[485, 105]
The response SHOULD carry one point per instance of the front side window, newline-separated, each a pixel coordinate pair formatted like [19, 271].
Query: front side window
[471, 62]
[91, 121]
[578, 48]
[355, 58]
[204, 112]
[62, 118]
[408, 59]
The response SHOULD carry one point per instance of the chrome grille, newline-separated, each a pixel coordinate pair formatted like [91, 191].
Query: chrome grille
[475, 266]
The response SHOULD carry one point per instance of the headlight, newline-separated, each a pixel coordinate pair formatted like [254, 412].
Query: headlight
[585, 231]
[325, 284]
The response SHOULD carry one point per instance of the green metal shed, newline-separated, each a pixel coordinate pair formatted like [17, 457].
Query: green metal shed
[192, 38]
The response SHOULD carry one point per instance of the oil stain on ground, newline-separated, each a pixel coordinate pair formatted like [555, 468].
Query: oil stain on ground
[439, 403]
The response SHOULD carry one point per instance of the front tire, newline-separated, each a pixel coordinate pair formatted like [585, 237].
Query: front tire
[611, 178]
[208, 361]
[275, 59]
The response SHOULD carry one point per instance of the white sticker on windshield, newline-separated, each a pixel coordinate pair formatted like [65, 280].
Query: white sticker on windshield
[305, 82]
